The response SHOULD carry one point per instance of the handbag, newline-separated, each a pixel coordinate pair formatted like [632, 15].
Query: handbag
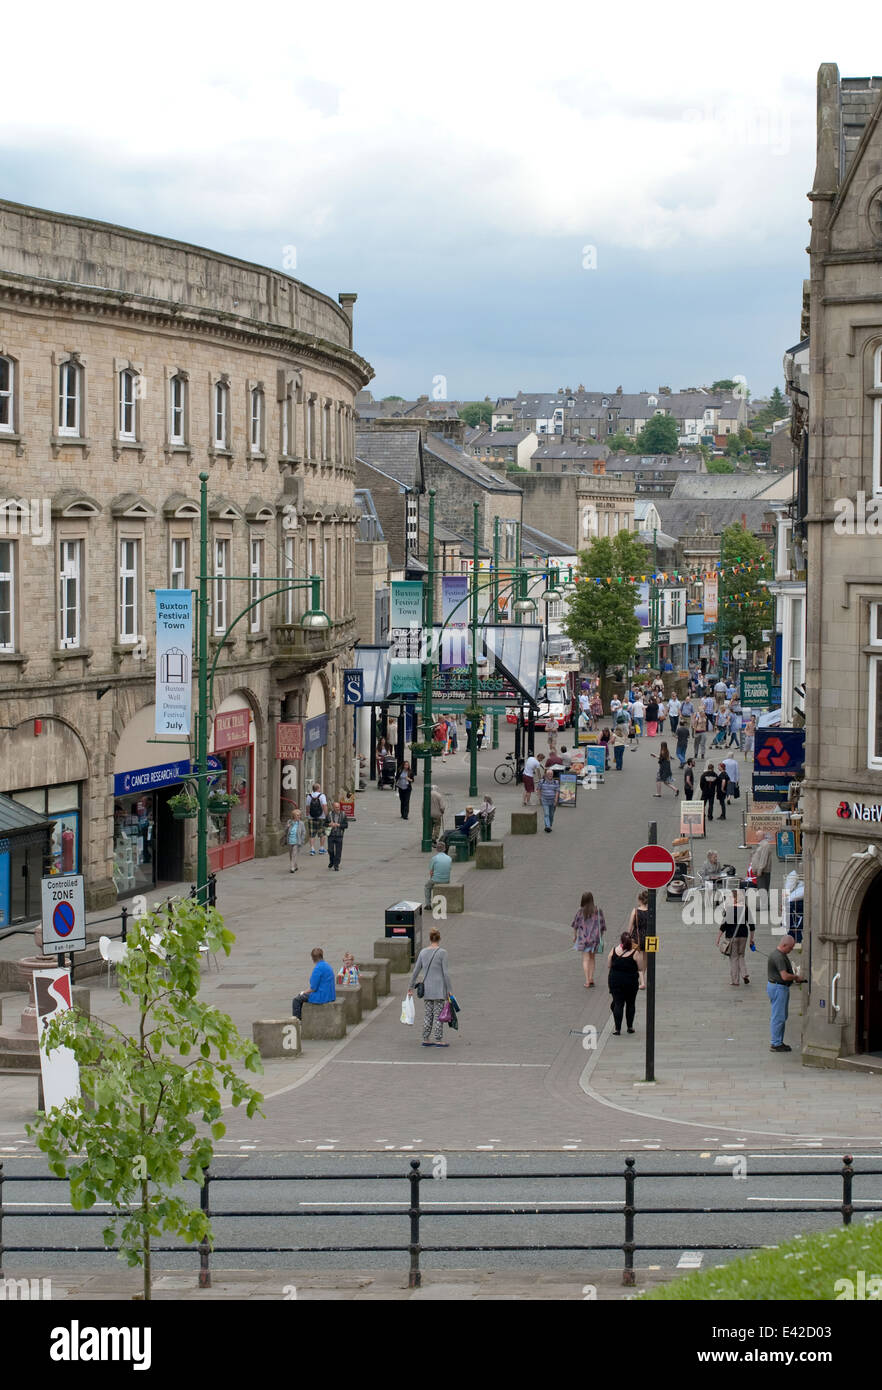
[726, 946]
[446, 1014]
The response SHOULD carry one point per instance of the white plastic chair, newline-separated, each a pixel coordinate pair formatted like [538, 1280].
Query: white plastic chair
[206, 953]
[112, 952]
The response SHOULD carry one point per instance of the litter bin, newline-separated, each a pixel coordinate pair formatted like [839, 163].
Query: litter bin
[458, 848]
[405, 919]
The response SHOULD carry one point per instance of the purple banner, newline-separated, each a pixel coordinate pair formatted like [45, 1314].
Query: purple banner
[454, 606]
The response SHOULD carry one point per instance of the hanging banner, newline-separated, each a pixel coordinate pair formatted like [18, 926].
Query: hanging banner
[455, 615]
[641, 608]
[58, 1068]
[405, 636]
[711, 599]
[174, 660]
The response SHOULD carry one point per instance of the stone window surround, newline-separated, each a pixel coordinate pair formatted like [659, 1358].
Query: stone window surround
[289, 394]
[122, 441]
[13, 652]
[309, 435]
[57, 440]
[11, 434]
[181, 531]
[255, 451]
[222, 532]
[128, 530]
[71, 530]
[216, 449]
[256, 535]
[874, 396]
[177, 446]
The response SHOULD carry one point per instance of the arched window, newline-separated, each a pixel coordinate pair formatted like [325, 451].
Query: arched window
[7, 395]
[70, 398]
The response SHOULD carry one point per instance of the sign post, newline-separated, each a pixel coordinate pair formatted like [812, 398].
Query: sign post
[64, 915]
[653, 868]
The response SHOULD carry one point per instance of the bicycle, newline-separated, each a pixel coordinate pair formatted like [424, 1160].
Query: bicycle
[509, 770]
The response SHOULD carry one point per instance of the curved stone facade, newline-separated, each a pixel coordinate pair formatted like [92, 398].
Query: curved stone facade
[130, 364]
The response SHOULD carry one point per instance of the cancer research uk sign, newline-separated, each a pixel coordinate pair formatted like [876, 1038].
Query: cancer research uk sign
[174, 660]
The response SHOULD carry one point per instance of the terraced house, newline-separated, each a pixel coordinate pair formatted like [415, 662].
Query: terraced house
[129, 364]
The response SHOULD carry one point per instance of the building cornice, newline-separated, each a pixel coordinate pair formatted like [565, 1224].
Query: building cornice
[152, 314]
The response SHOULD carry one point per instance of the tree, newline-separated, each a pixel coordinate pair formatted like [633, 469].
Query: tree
[600, 618]
[144, 1121]
[477, 412]
[724, 384]
[720, 466]
[659, 435]
[733, 446]
[777, 405]
[745, 605]
[394, 398]
[621, 443]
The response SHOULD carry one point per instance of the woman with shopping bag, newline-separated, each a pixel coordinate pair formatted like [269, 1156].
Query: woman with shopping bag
[433, 989]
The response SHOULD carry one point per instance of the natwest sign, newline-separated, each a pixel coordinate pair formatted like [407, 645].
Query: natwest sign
[859, 810]
[231, 729]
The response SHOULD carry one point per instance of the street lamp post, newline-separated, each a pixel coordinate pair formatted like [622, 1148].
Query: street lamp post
[473, 748]
[428, 628]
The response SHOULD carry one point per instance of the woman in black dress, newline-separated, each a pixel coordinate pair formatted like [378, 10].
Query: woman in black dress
[623, 981]
[689, 779]
[722, 789]
[638, 926]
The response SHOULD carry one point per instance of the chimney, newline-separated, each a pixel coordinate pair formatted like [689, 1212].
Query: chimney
[599, 466]
[346, 303]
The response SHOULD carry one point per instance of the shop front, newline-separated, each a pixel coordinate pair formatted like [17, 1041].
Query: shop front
[148, 842]
[231, 838]
[60, 805]
[24, 860]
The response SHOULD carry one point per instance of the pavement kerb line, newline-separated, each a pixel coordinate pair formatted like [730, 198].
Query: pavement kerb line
[329, 1056]
[584, 1085]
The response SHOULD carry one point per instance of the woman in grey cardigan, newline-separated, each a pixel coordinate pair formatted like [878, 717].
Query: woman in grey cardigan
[432, 961]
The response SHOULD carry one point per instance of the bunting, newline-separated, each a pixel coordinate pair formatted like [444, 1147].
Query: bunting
[675, 576]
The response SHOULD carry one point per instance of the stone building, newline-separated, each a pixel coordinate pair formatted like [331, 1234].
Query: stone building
[580, 506]
[842, 801]
[129, 364]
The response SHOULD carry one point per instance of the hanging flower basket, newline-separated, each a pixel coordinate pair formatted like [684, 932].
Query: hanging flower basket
[222, 803]
[433, 749]
[184, 806]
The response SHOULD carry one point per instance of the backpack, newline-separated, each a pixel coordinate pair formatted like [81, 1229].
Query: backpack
[315, 808]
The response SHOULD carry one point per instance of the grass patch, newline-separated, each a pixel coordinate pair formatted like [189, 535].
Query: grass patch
[806, 1268]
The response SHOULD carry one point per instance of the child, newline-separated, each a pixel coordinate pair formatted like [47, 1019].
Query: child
[295, 836]
[348, 972]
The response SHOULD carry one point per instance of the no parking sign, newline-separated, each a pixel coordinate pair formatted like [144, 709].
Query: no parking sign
[64, 914]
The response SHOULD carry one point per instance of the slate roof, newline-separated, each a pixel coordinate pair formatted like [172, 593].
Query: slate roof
[569, 449]
[478, 473]
[395, 452]
[679, 518]
[499, 438]
[653, 463]
[543, 544]
[721, 485]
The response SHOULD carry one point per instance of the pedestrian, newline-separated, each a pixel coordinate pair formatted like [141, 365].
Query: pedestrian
[722, 789]
[317, 815]
[439, 870]
[619, 737]
[663, 777]
[295, 836]
[452, 735]
[721, 724]
[699, 732]
[689, 779]
[632, 736]
[531, 773]
[749, 731]
[674, 710]
[735, 928]
[780, 978]
[623, 982]
[652, 709]
[605, 736]
[761, 866]
[432, 963]
[551, 728]
[349, 973]
[638, 715]
[687, 709]
[320, 989]
[662, 714]
[438, 807]
[735, 724]
[337, 824]
[732, 773]
[440, 735]
[549, 795]
[589, 927]
[682, 740]
[637, 929]
[707, 785]
[404, 783]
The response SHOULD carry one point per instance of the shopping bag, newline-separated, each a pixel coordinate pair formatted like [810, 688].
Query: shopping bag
[407, 1009]
[446, 1013]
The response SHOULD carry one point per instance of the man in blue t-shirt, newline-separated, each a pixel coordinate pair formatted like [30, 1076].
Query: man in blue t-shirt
[321, 988]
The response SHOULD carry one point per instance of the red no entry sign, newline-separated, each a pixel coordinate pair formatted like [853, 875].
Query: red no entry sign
[653, 866]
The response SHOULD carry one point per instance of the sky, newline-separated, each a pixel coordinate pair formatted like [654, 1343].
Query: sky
[523, 198]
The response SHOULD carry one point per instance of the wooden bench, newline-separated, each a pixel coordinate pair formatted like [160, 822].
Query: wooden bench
[463, 844]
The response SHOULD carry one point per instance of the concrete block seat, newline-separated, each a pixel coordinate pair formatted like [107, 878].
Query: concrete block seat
[380, 969]
[322, 1022]
[489, 855]
[351, 995]
[277, 1037]
[368, 981]
[395, 949]
[524, 822]
[452, 893]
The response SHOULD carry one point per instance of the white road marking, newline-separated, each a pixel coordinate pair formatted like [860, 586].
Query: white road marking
[319, 1147]
[512, 1202]
[835, 1201]
[790, 1157]
[485, 1147]
[731, 1146]
[690, 1259]
[652, 1146]
[377, 1062]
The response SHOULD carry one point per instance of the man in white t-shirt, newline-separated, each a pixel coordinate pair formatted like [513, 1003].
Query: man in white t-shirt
[674, 708]
[638, 714]
[531, 775]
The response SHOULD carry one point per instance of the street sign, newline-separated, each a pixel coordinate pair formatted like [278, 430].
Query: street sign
[653, 866]
[650, 944]
[59, 1069]
[64, 914]
[353, 686]
[779, 751]
[756, 689]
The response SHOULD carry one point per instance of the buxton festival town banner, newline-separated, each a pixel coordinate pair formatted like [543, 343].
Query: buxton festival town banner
[174, 660]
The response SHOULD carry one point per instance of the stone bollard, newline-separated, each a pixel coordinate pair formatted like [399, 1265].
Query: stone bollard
[351, 996]
[453, 895]
[395, 949]
[368, 981]
[524, 822]
[379, 968]
[489, 855]
[277, 1037]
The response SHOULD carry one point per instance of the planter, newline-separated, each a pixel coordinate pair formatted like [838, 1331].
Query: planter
[427, 750]
[185, 812]
[222, 805]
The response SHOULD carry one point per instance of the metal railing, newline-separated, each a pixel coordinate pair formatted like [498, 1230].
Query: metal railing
[415, 1214]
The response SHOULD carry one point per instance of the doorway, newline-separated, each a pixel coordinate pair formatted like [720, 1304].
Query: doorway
[869, 971]
[169, 840]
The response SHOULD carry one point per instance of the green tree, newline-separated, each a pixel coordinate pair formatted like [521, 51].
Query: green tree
[745, 605]
[477, 412]
[724, 384]
[394, 398]
[720, 466]
[745, 435]
[733, 446]
[659, 436]
[621, 443]
[600, 618]
[146, 1121]
[777, 405]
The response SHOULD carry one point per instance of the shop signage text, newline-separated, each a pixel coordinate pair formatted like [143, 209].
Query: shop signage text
[231, 729]
[289, 742]
[315, 733]
[858, 810]
[174, 660]
[147, 779]
[756, 689]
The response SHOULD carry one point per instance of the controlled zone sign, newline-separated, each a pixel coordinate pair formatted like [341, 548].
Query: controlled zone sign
[64, 914]
[653, 866]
